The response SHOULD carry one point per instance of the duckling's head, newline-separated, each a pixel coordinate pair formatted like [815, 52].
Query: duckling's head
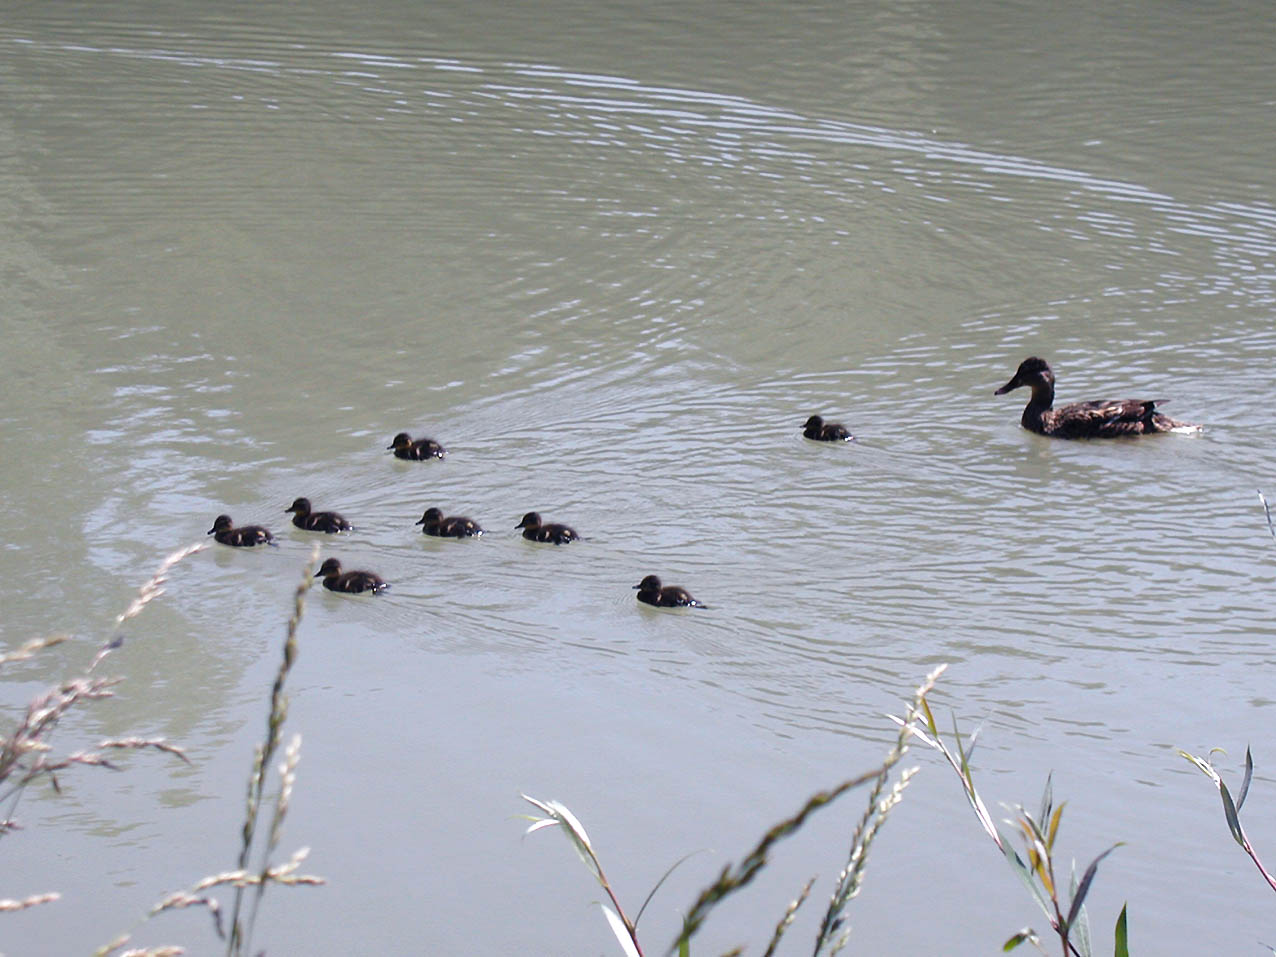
[1033, 371]
[815, 422]
[221, 523]
[330, 566]
[530, 520]
[402, 440]
[431, 515]
[301, 506]
[650, 583]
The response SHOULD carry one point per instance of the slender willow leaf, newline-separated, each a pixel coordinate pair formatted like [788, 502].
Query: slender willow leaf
[1229, 811]
[1053, 832]
[1024, 874]
[676, 864]
[1122, 943]
[1084, 888]
[1026, 934]
[621, 931]
[1047, 798]
[1249, 774]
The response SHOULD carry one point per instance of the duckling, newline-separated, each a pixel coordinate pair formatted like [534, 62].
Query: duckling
[668, 596]
[329, 522]
[816, 428]
[457, 526]
[334, 579]
[534, 531]
[405, 448]
[224, 531]
[1085, 420]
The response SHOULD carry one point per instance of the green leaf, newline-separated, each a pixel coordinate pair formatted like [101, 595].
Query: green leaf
[1229, 811]
[1047, 799]
[1026, 934]
[1122, 944]
[1249, 774]
[1024, 874]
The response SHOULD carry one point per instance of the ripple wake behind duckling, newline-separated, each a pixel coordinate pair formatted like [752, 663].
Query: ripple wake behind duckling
[1102, 419]
[433, 522]
[536, 531]
[246, 536]
[334, 579]
[304, 518]
[651, 592]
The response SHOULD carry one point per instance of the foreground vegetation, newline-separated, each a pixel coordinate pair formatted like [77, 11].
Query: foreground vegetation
[28, 756]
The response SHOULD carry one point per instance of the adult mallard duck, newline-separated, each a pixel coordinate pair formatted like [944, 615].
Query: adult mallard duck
[1106, 418]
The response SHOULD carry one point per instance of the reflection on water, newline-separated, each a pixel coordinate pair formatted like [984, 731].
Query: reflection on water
[614, 283]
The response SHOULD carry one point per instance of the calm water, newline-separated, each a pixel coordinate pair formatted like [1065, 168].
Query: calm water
[613, 255]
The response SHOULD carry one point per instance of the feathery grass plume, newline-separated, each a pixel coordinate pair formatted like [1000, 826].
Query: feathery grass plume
[789, 913]
[151, 589]
[733, 878]
[1232, 809]
[31, 648]
[1038, 835]
[851, 878]
[35, 900]
[240, 933]
[25, 752]
[557, 813]
[244, 876]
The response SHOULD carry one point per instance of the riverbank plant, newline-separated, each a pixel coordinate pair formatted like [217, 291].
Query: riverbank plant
[1036, 868]
[834, 930]
[28, 755]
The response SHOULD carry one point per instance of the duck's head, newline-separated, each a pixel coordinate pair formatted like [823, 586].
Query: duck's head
[220, 523]
[650, 583]
[431, 515]
[1033, 371]
[301, 506]
[330, 566]
[530, 520]
[814, 422]
[402, 440]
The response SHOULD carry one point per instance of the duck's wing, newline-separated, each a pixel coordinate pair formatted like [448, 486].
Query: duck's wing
[1105, 417]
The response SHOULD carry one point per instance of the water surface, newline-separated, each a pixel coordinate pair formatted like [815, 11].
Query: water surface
[613, 256]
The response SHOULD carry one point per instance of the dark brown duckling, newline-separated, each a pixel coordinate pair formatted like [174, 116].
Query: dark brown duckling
[816, 428]
[329, 522]
[534, 531]
[1106, 418]
[405, 448]
[669, 596]
[224, 531]
[457, 526]
[334, 579]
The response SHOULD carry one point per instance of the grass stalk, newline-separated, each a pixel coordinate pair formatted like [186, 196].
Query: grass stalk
[241, 931]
